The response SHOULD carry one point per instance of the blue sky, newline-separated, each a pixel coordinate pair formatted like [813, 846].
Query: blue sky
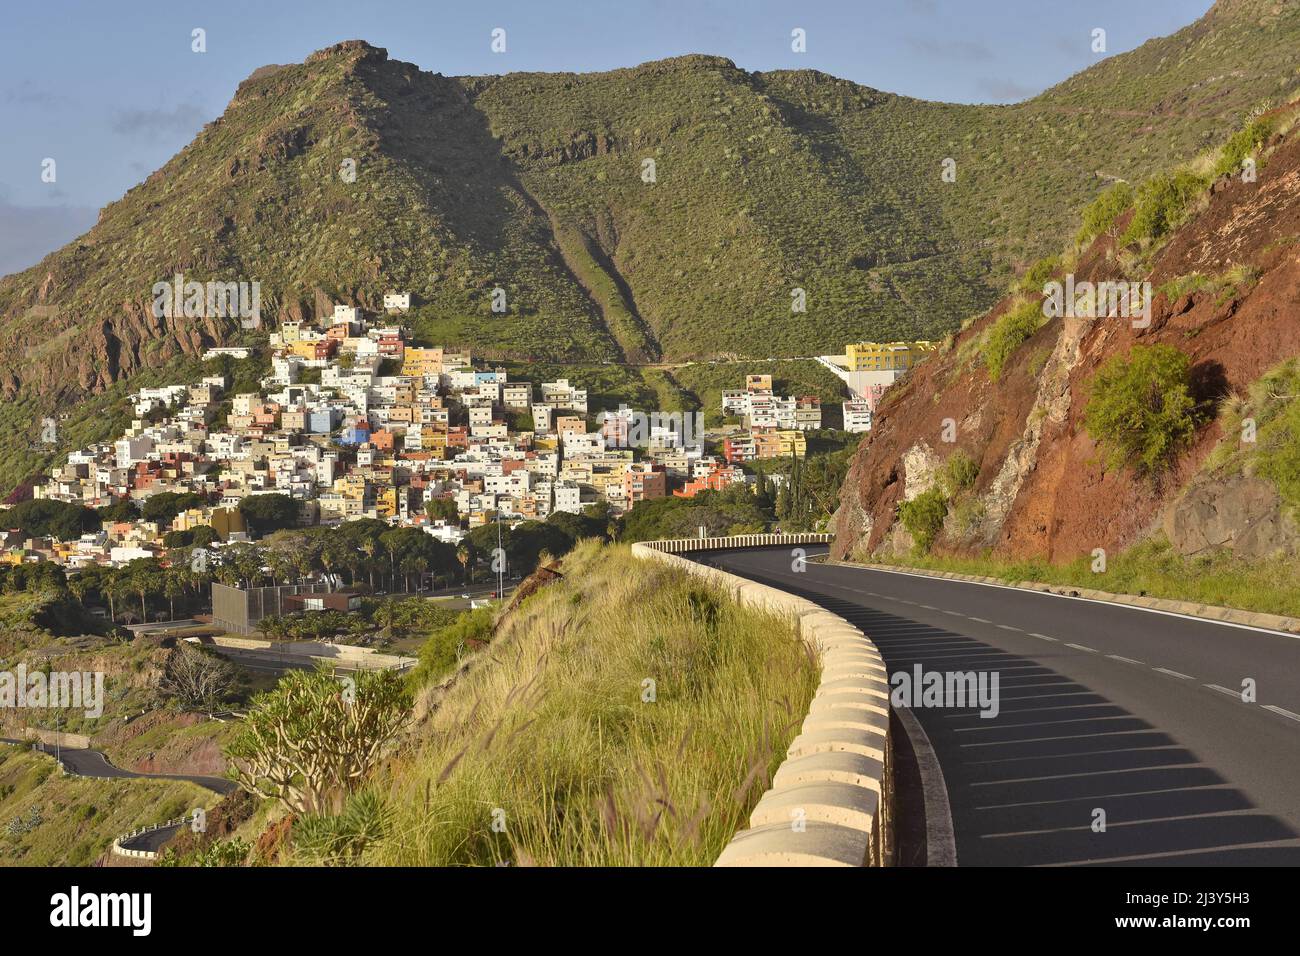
[111, 90]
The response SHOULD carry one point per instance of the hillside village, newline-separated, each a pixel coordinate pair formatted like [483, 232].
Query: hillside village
[355, 422]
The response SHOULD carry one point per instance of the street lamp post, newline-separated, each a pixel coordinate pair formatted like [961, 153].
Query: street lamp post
[501, 565]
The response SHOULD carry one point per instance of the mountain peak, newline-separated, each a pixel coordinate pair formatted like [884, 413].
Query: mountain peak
[347, 47]
[1249, 8]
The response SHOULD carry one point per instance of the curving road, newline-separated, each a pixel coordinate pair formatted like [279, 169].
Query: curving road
[94, 763]
[151, 841]
[1102, 707]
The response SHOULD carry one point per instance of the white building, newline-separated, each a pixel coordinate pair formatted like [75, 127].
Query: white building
[857, 416]
[128, 451]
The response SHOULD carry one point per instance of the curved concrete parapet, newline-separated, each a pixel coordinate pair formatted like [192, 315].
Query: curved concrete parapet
[830, 803]
[120, 850]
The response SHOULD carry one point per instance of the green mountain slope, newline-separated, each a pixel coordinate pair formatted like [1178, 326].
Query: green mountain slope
[536, 184]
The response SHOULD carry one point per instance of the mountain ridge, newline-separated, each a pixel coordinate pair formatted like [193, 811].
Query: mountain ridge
[766, 182]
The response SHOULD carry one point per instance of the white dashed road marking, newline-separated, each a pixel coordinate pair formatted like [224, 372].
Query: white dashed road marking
[1081, 647]
[1281, 710]
[1041, 636]
[1126, 660]
[1166, 670]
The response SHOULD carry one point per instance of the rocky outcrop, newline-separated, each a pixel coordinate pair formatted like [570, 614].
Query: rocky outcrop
[1043, 485]
[1244, 515]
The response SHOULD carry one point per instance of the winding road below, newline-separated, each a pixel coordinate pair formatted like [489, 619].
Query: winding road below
[1135, 713]
[94, 763]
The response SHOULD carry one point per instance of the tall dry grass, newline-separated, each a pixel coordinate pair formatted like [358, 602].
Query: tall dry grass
[553, 742]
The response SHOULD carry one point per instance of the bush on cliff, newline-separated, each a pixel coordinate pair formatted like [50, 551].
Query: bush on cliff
[1141, 410]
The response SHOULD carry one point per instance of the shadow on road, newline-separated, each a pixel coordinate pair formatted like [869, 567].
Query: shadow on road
[1025, 785]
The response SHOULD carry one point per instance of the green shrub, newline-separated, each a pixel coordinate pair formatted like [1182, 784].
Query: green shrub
[340, 839]
[967, 516]
[1162, 203]
[959, 473]
[1279, 454]
[923, 517]
[1225, 286]
[1038, 274]
[1102, 212]
[1008, 333]
[445, 647]
[1273, 405]
[1141, 409]
[1245, 143]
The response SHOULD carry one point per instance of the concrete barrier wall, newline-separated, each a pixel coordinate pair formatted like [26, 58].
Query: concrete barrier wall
[56, 739]
[366, 657]
[830, 803]
[119, 850]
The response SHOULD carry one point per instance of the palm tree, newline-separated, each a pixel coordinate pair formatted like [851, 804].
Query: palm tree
[368, 549]
[281, 565]
[391, 542]
[79, 585]
[114, 587]
[174, 587]
[386, 614]
[274, 627]
[303, 562]
[142, 580]
[410, 565]
[331, 556]
[463, 555]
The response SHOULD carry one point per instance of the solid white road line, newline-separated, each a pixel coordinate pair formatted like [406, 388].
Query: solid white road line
[940, 841]
[1070, 597]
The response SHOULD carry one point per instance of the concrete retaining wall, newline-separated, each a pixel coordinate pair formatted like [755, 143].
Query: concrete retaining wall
[364, 657]
[56, 739]
[830, 803]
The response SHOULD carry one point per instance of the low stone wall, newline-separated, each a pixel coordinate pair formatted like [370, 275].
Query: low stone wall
[830, 803]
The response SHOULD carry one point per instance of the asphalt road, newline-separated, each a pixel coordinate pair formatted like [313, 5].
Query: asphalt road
[93, 763]
[151, 840]
[1102, 707]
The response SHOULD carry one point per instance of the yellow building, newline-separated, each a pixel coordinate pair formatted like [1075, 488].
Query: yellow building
[434, 440]
[887, 356]
[780, 444]
[386, 502]
[422, 362]
[351, 486]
